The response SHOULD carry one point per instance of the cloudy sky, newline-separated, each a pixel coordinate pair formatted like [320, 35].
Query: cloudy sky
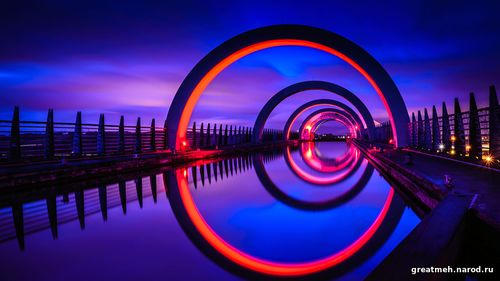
[129, 57]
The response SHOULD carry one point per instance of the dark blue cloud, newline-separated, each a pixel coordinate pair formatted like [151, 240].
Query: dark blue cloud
[123, 56]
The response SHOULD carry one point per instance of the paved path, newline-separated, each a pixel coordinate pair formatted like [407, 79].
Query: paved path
[467, 179]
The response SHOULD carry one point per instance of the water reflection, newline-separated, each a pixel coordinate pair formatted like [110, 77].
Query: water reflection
[258, 216]
[240, 261]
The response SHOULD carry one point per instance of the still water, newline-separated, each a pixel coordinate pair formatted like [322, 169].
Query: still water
[317, 211]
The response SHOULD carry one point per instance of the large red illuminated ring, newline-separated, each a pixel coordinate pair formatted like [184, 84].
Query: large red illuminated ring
[258, 39]
[198, 229]
[321, 102]
[328, 114]
[353, 131]
[338, 115]
[317, 122]
[330, 88]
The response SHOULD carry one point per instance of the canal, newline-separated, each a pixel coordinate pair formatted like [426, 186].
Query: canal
[317, 210]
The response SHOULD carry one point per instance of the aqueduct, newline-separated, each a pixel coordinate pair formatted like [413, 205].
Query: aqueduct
[254, 40]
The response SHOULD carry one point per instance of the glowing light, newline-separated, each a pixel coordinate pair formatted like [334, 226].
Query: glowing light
[488, 159]
[441, 146]
[223, 64]
[467, 147]
[318, 164]
[452, 152]
[453, 138]
[309, 153]
[391, 141]
[185, 173]
[184, 143]
[308, 127]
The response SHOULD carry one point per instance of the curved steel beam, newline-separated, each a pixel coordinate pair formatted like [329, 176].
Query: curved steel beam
[254, 40]
[321, 102]
[351, 127]
[291, 90]
[316, 113]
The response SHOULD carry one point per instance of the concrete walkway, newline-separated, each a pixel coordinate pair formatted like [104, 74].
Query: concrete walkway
[467, 180]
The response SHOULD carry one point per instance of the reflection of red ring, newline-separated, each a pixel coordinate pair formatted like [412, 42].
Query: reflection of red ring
[269, 267]
[315, 162]
[318, 180]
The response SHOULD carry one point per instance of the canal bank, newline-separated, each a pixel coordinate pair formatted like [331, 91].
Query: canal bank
[459, 226]
[19, 175]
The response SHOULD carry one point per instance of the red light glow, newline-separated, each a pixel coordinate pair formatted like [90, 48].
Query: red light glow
[212, 73]
[270, 267]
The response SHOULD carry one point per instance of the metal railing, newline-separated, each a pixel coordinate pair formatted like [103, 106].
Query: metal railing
[38, 140]
[472, 134]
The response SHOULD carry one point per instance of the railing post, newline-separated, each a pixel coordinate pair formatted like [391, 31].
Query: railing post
[459, 130]
[231, 138]
[122, 188]
[226, 137]
[138, 141]
[202, 136]
[49, 135]
[80, 207]
[77, 136]
[18, 216]
[420, 131]
[165, 135]
[475, 146]
[101, 141]
[494, 124]
[103, 201]
[413, 130]
[152, 135]
[215, 135]
[193, 132]
[51, 203]
[220, 135]
[209, 140]
[121, 135]
[445, 120]
[436, 135]
[15, 137]
[428, 133]
[138, 187]
[154, 188]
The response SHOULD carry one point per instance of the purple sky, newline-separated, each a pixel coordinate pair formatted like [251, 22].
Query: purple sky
[130, 57]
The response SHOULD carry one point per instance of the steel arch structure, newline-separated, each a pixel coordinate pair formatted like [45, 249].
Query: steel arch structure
[293, 89]
[319, 102]
[262, 38]
[332, 111]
